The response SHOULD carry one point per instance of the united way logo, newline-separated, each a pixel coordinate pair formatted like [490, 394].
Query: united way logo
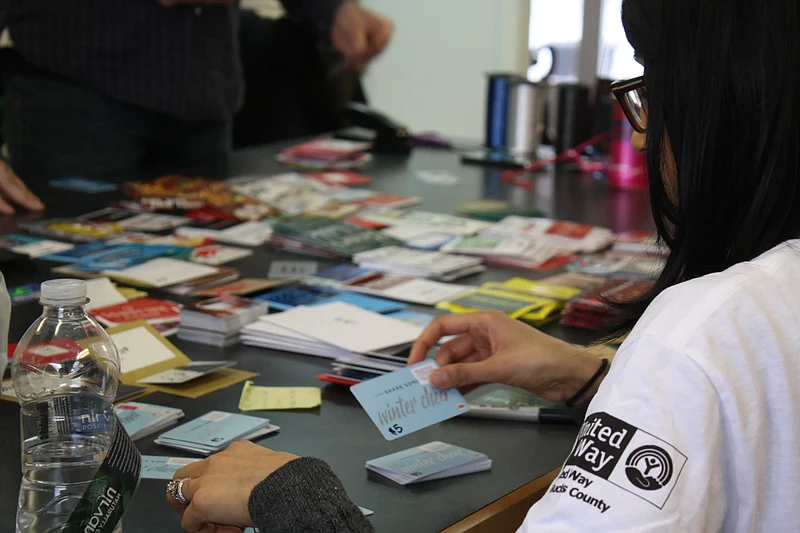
[649, 468]
[631, 458]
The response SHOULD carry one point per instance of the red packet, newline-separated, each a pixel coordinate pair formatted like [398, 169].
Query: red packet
[572, 230]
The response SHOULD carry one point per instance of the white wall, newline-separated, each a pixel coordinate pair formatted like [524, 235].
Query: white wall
[432, 75]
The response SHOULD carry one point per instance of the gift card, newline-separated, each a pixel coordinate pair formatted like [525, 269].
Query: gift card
[157, 467]
[215, 429]
[32, 246]
[403, 401]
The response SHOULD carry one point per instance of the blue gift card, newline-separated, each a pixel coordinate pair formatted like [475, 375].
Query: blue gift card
[215, 429]
[79, 253]
[11, 241]
[83, 185]
[284, 299]
[157, 467]
[403, 401]
[343, 274]
[426, 461]
[413, 317]
[125, 256]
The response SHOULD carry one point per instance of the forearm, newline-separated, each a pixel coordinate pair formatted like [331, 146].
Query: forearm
[305, 496]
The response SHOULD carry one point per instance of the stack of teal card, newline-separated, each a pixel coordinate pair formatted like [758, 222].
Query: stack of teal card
[143, 419]
[435, 460]
[215, 431]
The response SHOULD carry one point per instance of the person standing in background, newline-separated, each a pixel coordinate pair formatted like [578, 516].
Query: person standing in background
[113, 87]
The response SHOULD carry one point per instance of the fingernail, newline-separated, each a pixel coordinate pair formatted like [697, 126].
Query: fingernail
[440, 379]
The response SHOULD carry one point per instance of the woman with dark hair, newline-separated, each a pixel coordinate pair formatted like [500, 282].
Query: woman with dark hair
[696, 426]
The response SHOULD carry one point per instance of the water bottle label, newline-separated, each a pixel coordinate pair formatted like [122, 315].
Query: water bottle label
[111, 490]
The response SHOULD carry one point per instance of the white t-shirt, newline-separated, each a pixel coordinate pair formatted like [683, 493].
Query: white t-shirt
[697, 426]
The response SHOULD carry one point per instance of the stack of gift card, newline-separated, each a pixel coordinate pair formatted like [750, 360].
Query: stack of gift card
[135, 221]
[292, 194]
[394, 286]
[435, 460]
[32, 246]
[639, 242]
[505, 251]
[164, 316]
[217, 321]
[249, 233]
[334, 154]
[142, 419]
[532, 243]
[419, 263]
[570, 237]
[430, 222]
[594, 309]
[215, 431]
[619, 265]
[289, 297]
[531, 301]
[321, 236]
[332, 330]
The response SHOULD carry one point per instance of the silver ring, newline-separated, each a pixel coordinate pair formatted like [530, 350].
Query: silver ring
[179, 497]
[175, 489]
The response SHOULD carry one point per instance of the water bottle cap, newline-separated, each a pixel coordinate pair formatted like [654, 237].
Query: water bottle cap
[63, 292]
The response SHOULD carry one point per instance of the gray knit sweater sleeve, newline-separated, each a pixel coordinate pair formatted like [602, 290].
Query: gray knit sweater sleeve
[302, 496]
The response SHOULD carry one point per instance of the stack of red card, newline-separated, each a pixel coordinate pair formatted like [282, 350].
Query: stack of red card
[593, 311]
[335, 154]
[162, 315]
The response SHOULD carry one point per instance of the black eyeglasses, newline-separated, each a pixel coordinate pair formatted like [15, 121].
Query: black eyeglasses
[632, 96]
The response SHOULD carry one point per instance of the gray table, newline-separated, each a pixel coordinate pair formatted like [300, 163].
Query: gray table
[340, 432]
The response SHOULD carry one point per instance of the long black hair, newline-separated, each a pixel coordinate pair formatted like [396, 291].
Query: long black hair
[723, 88]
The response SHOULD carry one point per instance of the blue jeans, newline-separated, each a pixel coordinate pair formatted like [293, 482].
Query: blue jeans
[55, 128]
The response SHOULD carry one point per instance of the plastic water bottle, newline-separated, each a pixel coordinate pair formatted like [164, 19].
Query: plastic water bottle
[79, 467]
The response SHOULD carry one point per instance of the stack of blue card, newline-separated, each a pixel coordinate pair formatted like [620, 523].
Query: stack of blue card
[435, 460]
[288, 298]
[215, 431]
[142, 419]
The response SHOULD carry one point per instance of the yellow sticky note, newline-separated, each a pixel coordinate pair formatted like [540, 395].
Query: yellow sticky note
[273, 398]
[131, 294]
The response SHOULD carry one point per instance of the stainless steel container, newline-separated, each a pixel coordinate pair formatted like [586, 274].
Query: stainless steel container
[526, 117]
